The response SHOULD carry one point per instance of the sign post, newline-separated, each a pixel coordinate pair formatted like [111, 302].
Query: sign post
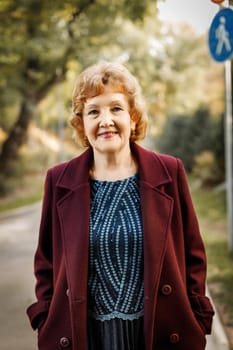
[228, 151]
[221, 49]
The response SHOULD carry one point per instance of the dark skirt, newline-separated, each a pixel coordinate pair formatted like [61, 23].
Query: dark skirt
[115, 334]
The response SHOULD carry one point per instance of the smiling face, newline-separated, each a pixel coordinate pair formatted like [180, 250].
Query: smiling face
[107, 123]
[97, 80]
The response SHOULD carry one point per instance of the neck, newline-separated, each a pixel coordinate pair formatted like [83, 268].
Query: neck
[113, 167]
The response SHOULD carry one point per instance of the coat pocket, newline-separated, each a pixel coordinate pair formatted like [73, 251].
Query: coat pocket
[37, 313]
[203, 311]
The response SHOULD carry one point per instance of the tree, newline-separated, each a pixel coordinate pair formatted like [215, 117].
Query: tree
[39, 39]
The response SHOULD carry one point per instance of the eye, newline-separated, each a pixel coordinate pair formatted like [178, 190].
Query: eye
[117, 109]
[93, 112]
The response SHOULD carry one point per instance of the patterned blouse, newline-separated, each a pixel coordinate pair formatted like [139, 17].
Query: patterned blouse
[115, 286]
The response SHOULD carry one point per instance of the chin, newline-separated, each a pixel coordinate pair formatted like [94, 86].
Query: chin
[109, 146]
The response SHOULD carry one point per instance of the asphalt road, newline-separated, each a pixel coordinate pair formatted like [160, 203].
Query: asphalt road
[18, 239]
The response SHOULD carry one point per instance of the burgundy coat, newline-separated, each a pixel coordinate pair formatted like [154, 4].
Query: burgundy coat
[177, 314]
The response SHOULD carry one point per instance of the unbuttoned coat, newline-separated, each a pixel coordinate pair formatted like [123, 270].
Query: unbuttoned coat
[177, 313]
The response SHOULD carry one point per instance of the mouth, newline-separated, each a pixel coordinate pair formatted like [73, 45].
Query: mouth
[107, 134]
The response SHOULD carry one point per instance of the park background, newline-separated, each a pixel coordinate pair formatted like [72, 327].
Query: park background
[45, 44]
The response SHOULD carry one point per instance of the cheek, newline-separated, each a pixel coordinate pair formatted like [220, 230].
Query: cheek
[86, 124]
[90, 128]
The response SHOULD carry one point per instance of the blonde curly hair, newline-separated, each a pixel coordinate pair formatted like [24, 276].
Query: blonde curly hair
[92, 82]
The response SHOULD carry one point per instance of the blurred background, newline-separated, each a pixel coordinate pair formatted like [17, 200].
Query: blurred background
[44, 46]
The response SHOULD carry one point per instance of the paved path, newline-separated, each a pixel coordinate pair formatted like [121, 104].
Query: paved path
[18, 239]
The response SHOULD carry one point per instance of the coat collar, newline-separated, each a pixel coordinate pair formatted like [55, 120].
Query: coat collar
[76, 171]
[152, 169]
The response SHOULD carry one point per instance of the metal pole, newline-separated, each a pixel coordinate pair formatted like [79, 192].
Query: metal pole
[228, 152]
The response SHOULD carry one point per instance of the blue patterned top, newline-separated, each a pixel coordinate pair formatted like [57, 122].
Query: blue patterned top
[115, 285]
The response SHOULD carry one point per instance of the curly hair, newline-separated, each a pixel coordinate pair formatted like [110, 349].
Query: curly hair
[93, 81]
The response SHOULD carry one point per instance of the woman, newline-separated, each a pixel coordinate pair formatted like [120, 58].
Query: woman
[120, 262]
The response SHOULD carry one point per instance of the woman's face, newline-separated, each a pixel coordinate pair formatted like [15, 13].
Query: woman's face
[107, 122]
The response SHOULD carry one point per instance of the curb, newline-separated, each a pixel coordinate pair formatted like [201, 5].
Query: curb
[218, 333]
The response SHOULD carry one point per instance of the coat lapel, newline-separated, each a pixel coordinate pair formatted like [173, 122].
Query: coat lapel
[157, 209]
[74, 214]
[156, 214]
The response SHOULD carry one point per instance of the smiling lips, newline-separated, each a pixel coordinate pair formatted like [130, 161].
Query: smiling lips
[107, 134]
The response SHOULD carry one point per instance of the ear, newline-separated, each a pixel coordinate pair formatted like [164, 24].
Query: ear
[132, 129]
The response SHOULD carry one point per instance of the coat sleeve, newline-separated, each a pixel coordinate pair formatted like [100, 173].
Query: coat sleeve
[37, 312]
[196, 263]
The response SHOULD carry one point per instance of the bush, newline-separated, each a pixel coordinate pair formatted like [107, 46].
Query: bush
[187, 137]
[206, 169]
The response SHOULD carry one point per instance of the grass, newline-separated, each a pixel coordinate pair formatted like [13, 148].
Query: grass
[26, 191]
[25, 186]
[10, 204]
[211, 211]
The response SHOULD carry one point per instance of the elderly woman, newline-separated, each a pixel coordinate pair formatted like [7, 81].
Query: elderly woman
[120, 263]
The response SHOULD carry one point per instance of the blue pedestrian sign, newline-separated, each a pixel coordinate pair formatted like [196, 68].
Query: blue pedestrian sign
[221, 35]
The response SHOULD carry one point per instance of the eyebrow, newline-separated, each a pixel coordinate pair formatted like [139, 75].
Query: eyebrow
[114, 102]
[118, 102]
[92, 106]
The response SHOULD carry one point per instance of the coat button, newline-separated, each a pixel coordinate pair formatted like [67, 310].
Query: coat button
[64, 342]
[67, 292]
[166, 289]
[174, 338]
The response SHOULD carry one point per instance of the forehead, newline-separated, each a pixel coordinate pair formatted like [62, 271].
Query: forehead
[107, 97]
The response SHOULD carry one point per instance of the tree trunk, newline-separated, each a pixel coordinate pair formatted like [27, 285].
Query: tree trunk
[17, 137]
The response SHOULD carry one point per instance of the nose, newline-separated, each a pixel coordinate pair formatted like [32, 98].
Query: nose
[106, 120]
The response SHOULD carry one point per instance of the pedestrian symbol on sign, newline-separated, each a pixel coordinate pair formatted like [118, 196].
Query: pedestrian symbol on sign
[221, 35]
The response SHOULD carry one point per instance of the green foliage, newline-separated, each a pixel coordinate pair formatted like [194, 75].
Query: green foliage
[186, 137]
[206, 170]
[199, 141]
[39, 40]
[218, 143]
[44, 43]
[211, 206]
